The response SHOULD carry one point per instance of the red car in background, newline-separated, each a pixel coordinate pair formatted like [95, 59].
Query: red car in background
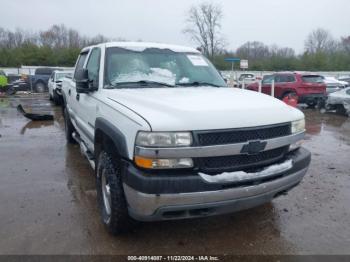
[309, 88]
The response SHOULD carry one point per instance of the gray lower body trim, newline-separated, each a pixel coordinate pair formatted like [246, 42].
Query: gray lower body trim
[213, 151]
[150, 207]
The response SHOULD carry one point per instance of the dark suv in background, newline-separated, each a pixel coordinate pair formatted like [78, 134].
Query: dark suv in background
[309, 88]
[39, 80]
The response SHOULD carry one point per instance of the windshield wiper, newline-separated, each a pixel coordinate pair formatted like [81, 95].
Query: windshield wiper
[196, 83]
[141, 83]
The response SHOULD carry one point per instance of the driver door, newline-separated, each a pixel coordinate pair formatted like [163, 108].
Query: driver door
[86, 103]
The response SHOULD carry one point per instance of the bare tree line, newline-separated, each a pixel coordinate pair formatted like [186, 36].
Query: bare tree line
[57, 36]
[321, 50]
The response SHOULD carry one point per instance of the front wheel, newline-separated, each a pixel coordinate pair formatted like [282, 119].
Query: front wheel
[110, 195]
[340, 109]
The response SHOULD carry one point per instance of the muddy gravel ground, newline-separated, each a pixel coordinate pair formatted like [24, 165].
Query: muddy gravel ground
[48, 199]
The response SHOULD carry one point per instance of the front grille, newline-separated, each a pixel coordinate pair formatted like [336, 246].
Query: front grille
[209, 138]
[240, 162]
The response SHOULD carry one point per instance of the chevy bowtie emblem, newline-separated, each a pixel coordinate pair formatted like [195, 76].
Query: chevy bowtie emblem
[253, 147]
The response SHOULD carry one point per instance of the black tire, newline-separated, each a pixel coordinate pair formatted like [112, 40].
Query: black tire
[56, 98]
[289, 93]
[69, 128]
[110, 195]
[39, 87]
[340, 109]
[311, 104]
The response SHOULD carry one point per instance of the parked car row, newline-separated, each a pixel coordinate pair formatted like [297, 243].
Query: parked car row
[309, 88]
[39, 82]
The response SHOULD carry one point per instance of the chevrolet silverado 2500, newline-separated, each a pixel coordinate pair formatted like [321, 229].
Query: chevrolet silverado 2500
[169, 140]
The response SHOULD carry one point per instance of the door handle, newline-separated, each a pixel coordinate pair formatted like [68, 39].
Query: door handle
[77, 97]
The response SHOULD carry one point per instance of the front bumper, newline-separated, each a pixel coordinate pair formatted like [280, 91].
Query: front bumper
[171, 196]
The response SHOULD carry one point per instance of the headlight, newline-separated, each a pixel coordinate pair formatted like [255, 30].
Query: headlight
[163, 163]
[298, 126]
[164, 139]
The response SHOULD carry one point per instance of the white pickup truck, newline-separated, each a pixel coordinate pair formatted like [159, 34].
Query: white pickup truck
[169, 140]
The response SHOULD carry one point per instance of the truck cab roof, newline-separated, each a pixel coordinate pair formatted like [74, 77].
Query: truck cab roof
[140, 46]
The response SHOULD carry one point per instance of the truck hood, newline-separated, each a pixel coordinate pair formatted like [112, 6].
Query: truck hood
[203, 108]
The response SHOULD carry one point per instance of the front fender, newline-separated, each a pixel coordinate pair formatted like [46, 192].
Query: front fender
[114, 134]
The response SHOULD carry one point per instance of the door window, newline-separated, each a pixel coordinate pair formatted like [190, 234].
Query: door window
[93, 66]
[80, 63]
[290, 79]
[267, 80]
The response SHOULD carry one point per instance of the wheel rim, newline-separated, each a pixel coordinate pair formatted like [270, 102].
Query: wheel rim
[40, 88]
[106, 194]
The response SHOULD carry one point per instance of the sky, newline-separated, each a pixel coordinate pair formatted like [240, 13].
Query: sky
[283, 22]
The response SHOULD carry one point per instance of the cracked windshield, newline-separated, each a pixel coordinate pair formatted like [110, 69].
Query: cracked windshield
[159, 66]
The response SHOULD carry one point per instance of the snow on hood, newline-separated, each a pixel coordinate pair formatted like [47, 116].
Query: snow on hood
[203, 108]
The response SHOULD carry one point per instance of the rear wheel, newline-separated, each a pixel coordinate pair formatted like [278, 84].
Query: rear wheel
[110, 195]
[56, 98]
[40, 87]
[69, 128]
[311, 104]
[289, 94]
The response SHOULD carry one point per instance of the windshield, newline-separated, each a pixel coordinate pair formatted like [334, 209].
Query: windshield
[313, 79]
[158, 66]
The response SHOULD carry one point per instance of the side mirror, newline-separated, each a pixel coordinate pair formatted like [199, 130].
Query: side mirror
[82, 81]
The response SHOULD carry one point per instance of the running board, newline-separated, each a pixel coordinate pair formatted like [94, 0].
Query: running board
[90, 157]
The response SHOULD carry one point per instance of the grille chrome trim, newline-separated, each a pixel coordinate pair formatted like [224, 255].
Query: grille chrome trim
[212, 151]
[241, 135]
[240, 162]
